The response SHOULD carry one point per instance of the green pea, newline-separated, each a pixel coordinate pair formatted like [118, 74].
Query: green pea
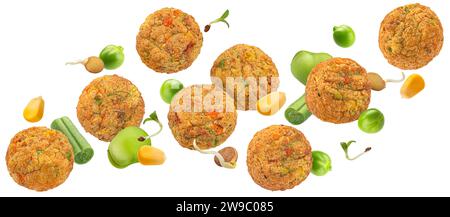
[371, 121]
[112, 56]
[169, 88]
[344, 36]
[321, 163]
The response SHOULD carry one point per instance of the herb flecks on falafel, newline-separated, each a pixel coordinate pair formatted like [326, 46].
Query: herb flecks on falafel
[202, 113]
[279, 158]
[411, 36]
[338, 90]
[169, 40]
[246, 73]
[39, 158]
[109, 104]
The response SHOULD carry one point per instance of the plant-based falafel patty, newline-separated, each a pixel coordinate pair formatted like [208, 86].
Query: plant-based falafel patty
[109, 104]
[411, 36]
[279, 158]
[169, 40]
[202, 113]
[39, 158]
[338, 90]
[254, 74]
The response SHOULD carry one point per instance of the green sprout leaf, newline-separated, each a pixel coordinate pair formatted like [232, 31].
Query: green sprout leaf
[220, 19]
[154, 117]
[346, 145]
[225, 14]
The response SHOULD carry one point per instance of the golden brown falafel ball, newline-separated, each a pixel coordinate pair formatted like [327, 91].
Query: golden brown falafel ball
[108, 105]
[203, 113]
[411, 36]
[39, 158]
[338, 90]
[169, 40]
[253, 67]
[279, 158]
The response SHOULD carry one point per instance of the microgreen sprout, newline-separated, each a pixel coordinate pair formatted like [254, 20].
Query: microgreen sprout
[220, 19]
[346, 145]
[222, 162]
[152, 117]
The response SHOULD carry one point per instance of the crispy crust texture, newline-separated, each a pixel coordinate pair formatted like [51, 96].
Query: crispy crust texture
[109, 104]
[279, 158]
[245, 61]
[411, 36]
[169, 40]
[338, 91]
[39, 158]
[209, 125]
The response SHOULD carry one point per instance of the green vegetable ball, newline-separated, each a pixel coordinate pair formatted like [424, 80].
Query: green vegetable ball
[344, 36]
[169, 88]
[371, 121]
[321, 163]
[112, 56]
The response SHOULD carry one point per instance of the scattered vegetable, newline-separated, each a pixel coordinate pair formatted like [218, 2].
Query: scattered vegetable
[123, 149]
[321, 163]
[229, 154]
[301, 65]
[412, 86]
[153, 117]
[92, 64]
[217, 155]
[83, 152]
[34, 111]
[344, 36]
[271, 103]
[220, 19]
[377, 83]
[304, 61]
[148, 155]
[345, 146]
[297, 112]
[169, 89]
[371, 121]
[112, 56]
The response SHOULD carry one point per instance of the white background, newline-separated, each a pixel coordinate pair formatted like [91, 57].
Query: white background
[410, 155]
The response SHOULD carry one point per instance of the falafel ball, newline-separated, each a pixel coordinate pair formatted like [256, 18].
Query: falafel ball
[202, 113]
[338, 90]
[254, 74]
[39, 158]
[169, 40]
[279, 158]
[411, 36]
[108, 105]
